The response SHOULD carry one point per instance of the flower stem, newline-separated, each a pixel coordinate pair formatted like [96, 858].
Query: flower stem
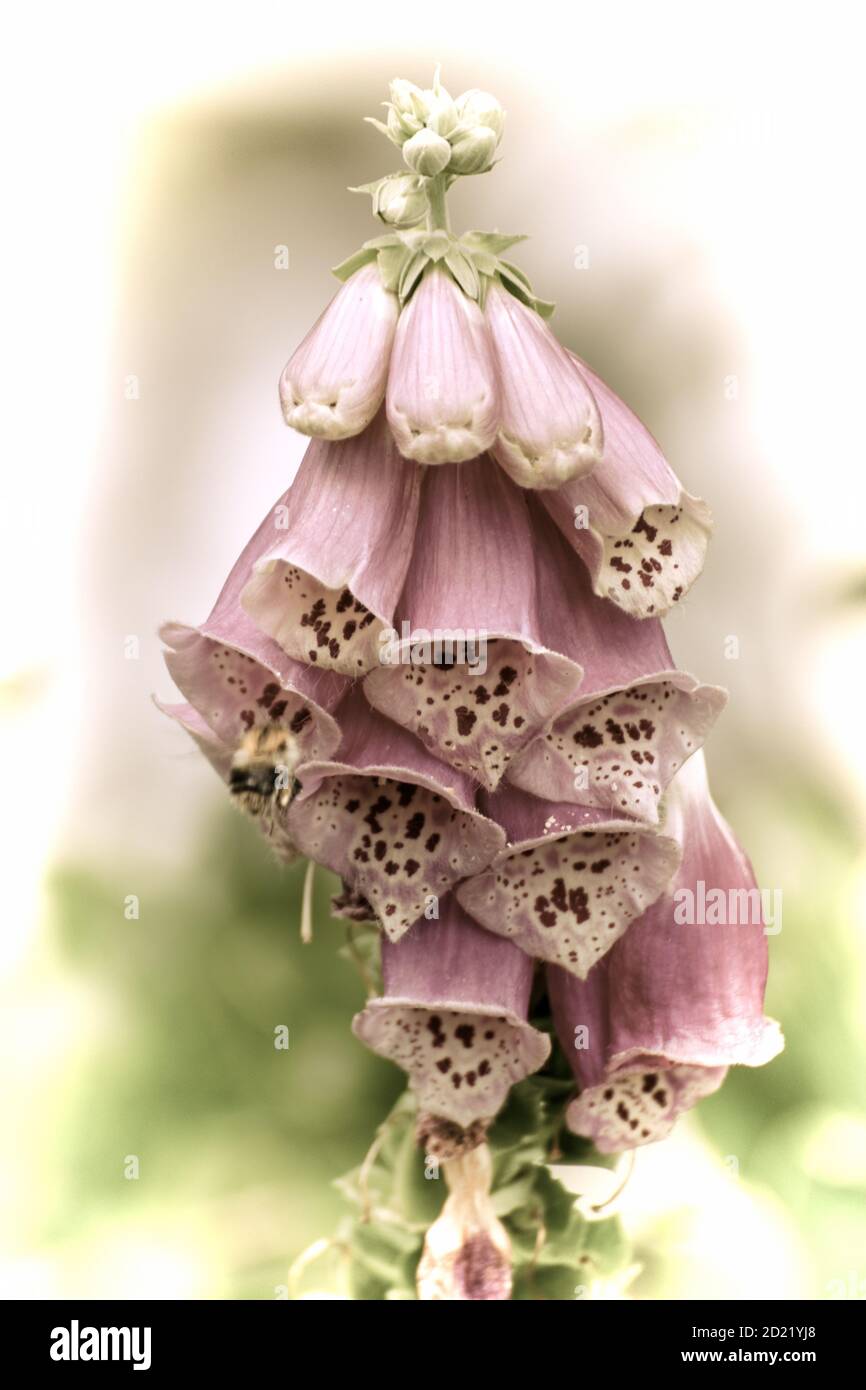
[437, 209]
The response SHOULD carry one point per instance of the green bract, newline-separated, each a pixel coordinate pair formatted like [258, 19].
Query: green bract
[472, 260]
[557, 1252]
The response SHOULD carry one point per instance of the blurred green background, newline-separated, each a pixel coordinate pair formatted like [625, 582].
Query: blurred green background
[700, 238]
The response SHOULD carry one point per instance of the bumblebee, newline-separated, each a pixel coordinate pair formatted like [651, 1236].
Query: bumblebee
[262, 778]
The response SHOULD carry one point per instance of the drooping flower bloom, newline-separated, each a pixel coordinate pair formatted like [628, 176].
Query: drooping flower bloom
[570, 880]
[642, 537]
[633, 720]
[334, 383]
[454, 1016]
[326, 578]
[473, 676]
[443, 392]
[550, 428]
[677, 1001]
[254, 711]
[467, 1252]
[399, 826]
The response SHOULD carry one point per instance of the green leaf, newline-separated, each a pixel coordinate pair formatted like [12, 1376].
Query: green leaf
[546, 1282]
[364, 1286]
[522, 1113]
[606, 1244]
[558, 1202]
[415, 1196]
[515, 1194]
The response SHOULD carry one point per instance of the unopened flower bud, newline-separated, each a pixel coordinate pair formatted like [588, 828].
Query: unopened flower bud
[472, 152]
[407, 101]
[401, 127]
[480, 108]
[427, 153]
[467, 1254]
[400, 201]
[441, 113]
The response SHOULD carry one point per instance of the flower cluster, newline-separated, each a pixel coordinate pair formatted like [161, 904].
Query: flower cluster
[515, 813]
[440, 136]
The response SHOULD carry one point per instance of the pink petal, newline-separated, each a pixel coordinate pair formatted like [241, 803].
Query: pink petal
[443, 395]
[635, 718]
[673, 1005]
[230, 627]
[550, 429]
[235, 693]
[399, 826]
[266, 711]
[326, 580]
[570, 880]
[641, 536]
[454, 1016]
[472, 573]
[334, 382]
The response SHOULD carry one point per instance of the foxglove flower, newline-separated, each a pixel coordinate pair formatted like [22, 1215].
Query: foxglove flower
[454, 1016]
[635, 718]
[570, 880]
[443, 392]
[326, 580]
[254, 711]
[550, 429]
[472, 676]
[450, 686]
[400, 827]
[467, 1252]
[642, 537]
[676, 1002]
[334, 383]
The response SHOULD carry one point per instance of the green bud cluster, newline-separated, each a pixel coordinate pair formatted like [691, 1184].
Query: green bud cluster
[439, 134]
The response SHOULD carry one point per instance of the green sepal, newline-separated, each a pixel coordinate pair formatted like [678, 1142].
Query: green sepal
[517, 284]
[492, 242]
[464, 272]
[381, 127]
[436, 246]
[472, 261]
[392, 263]
[346, 269]
[377, 243]
[412, 272]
